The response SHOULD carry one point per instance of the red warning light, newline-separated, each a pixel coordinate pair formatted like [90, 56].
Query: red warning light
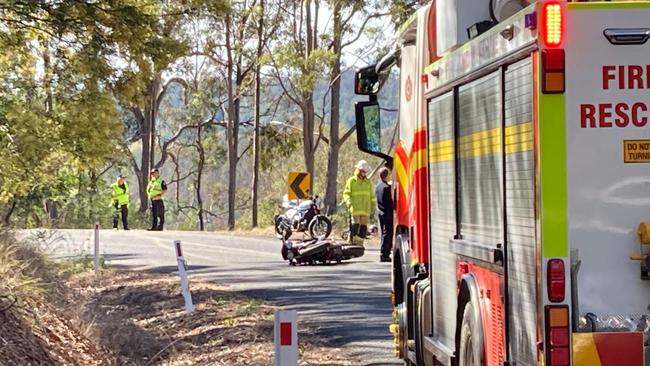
[553, 24]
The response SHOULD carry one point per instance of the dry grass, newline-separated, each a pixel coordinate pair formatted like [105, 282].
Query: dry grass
[32, 330]
[19, 275]
[140, 318]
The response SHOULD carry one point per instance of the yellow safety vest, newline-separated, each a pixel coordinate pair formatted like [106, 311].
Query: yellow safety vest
[121, 195]
[154, 188]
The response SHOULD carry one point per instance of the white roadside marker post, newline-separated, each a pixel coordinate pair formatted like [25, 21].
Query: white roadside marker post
[285, 334]
[96, 251]
[185, 282]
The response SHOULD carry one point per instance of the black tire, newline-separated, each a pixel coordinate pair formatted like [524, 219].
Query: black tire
[470, 353]
[397, 278]
[320, 227]
[282, 227]
[276, 222]
[352, 251]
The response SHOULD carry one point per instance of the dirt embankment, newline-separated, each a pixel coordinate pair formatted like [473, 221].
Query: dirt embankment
[45, 336]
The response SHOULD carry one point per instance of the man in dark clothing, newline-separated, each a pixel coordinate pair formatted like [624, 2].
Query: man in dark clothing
[385, 213]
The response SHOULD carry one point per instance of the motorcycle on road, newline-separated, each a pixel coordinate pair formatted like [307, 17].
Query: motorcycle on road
[303, 216]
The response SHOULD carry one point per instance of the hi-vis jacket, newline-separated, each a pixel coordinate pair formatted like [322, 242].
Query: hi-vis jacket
[121, 195]
[154, 188]
[358, 196]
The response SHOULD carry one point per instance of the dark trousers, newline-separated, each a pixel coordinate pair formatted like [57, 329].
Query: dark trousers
[124, 212]
[157, 214]
[386, 226]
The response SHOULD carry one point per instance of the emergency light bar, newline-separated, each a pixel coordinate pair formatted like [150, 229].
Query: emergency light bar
[552, 23]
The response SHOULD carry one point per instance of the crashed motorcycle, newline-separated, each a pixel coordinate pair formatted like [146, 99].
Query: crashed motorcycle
[314, 251]
[303, 216]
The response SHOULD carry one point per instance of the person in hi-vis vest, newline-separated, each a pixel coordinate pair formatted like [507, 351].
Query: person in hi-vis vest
[120, 202]
[358, 195]
[155, 190]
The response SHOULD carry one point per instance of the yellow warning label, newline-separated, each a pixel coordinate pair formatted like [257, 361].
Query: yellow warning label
[636, 151]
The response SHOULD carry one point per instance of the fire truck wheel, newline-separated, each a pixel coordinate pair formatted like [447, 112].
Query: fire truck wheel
[469, 353]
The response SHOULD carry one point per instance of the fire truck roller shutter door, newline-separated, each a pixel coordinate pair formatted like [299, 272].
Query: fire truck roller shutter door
[520, 211]
[442, 216]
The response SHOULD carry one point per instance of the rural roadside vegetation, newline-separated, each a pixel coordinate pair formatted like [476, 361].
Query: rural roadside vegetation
[225, 97]
[59, 313]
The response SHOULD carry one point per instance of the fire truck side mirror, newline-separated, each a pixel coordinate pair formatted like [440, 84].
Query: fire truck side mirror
[368, 125]
[366, 81]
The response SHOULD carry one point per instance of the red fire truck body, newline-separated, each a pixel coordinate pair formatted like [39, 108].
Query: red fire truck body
[520, 182]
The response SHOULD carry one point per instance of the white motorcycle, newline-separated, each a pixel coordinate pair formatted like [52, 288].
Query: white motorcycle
[303, 216]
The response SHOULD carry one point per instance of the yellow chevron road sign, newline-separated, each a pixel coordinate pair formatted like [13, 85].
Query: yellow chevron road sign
[299, 183]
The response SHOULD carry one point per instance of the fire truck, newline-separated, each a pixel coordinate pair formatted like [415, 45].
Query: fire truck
[521, 182]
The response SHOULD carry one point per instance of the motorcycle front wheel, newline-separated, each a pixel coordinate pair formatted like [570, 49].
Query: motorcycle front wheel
[282, 227]
[320, 227]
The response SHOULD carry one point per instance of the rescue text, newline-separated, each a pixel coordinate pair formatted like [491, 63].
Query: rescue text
[619, 114]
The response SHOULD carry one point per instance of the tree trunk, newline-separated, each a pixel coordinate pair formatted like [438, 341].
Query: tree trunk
[177, 173]
[7, 216]
[52, 210]
[93, 193]
[308, 137]
[331, 180]
[232, 144]
[309, 146]
[147, 136]
[153, 94]
[256, 132]
[145, 159]
[50, 206]
[199, 175]
[256, 149]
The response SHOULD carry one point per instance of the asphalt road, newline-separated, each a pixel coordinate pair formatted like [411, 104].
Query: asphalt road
[347, 303]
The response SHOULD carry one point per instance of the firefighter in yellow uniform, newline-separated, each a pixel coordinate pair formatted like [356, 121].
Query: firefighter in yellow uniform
[357, 195]
[120, 202]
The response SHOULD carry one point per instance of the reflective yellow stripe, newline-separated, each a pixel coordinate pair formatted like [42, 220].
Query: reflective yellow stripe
[480, 143]
[401, 173]
[518, 138]
[441, 151]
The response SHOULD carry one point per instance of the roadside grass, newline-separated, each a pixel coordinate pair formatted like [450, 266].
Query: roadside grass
[80, 264]
[141, 319]
[22, 271]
